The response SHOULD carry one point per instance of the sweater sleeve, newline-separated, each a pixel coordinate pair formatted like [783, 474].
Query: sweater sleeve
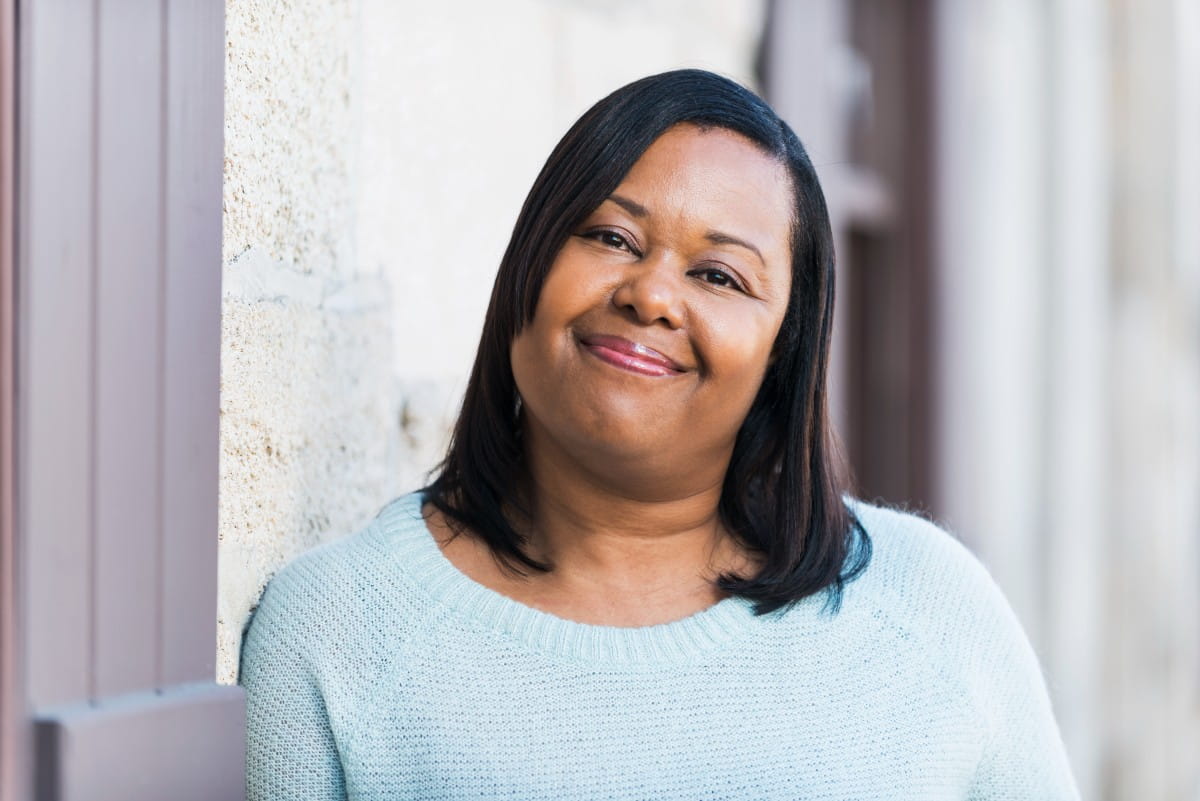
[291, 754]
[970, 634]
[1024, 756]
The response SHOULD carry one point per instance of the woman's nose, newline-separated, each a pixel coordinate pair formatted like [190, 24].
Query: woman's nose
[652, 291]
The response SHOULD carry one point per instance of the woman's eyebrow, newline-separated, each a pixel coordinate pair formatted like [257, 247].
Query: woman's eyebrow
[631, 206]
[719, 238]
[716, 237]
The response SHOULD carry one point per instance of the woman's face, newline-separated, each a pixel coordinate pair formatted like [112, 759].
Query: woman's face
[655, 324]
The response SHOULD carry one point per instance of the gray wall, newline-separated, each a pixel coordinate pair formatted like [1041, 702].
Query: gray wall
[1070, 368]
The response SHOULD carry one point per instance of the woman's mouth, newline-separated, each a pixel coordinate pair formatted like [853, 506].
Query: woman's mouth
[631, 356]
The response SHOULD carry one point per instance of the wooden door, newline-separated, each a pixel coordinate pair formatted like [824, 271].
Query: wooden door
[109, 580]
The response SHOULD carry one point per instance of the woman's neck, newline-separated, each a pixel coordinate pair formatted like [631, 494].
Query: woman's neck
[626, 549]
[587, 526]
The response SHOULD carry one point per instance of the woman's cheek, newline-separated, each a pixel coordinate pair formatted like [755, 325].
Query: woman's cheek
[744, 346]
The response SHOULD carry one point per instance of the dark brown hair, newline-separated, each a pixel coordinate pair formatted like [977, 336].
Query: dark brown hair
[783, 492]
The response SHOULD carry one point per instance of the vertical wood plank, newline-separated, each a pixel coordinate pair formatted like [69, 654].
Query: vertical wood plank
[113, 714]
[1152, 613]
[54, 436]
[128, 343]
[1077, 349]
[13, 743]
[991, 296]
[192, 298]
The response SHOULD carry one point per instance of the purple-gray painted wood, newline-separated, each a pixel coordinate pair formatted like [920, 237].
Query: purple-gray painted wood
[195, 153]
[14, 734]
[54, 361]
[127, 347]
[187, 744]
[117, 418]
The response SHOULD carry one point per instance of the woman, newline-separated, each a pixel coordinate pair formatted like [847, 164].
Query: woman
[635, 575]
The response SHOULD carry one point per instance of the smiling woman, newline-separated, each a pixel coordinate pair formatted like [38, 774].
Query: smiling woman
[637, 574]
[650, 286]
[681, 211]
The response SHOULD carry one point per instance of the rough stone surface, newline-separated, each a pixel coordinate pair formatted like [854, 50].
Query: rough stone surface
[289, 131]
[310, 423]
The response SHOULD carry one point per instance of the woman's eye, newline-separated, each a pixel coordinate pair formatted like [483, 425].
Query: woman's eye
[719, 278]
[610, 239]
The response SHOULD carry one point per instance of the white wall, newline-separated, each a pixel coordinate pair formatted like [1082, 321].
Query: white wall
[308, 414]
[1069, 328]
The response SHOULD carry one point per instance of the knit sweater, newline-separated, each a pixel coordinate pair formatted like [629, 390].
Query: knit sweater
[375, 670]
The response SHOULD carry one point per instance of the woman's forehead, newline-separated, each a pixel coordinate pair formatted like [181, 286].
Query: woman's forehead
[716, 181]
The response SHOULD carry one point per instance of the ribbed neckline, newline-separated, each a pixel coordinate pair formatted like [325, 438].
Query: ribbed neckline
[408, 537]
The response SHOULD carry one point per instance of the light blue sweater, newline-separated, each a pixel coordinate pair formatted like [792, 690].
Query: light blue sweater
[375, 670]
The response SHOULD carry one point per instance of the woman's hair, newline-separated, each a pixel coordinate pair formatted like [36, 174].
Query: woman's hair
[782, 494]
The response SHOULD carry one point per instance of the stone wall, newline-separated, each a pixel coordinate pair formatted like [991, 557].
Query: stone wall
[376, 157]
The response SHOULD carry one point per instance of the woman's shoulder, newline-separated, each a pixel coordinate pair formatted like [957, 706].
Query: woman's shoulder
[351, 586]
[927, 590]
[340, 563]
[912, 557]
[925, 581]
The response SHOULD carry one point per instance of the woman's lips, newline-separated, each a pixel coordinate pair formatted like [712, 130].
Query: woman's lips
[630, 355]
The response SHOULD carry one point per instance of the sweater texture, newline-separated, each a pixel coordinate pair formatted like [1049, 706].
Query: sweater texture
[375, 670]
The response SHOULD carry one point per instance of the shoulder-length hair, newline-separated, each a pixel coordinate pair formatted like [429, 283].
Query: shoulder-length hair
[783, 493]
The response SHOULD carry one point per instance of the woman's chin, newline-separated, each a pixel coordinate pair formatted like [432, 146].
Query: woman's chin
[642, 459]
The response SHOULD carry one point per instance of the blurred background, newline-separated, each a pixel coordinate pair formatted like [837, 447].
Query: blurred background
[1015, 186]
